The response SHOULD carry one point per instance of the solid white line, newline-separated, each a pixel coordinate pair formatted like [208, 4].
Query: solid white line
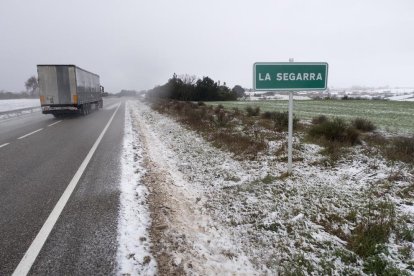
[4, 145]
[31, 254]
[24, 136]
[54, 123]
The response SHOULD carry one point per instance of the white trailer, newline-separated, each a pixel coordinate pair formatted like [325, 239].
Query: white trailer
[68, 89]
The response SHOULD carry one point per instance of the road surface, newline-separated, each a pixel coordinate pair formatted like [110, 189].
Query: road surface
[39, 156]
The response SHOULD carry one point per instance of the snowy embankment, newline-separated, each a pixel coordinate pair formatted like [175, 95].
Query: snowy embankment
[17, 107]
[134, 257]
[212, 214]
[10, 105]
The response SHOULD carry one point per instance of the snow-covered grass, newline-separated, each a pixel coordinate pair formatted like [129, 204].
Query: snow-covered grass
[9, 105]
[134, 256]
[309, 223]
[197, 244]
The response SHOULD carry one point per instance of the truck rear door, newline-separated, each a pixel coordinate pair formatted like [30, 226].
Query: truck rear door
[57, 84]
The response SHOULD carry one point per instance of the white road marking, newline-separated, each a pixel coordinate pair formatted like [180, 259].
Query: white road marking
[24, 136]
[4, 145]
[54, 123]
[30, 256]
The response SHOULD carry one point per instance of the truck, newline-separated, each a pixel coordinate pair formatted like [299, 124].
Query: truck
[65, 89]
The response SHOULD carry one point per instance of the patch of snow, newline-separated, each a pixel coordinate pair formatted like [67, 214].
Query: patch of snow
[14, 104]
[404, 97]
[134, 256]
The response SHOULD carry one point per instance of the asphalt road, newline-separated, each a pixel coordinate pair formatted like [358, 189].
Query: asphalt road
[35, 170]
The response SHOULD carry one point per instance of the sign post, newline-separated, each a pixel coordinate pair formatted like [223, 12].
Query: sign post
[290, 131]
[290, 76]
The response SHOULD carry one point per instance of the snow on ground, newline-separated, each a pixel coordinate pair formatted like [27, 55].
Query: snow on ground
[244, 216]
[197, 244]
[257, 96]
[9, 105]
[12, 108]
[405, 97]
[134, 257]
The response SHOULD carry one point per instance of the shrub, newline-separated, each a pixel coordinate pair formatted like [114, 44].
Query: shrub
[238, 144]
[319, 120]
[267, 115]
[221, 119]
[401, 148]
[281, 119]
[363, 125]
[374, 230]
[335, 131]
[218, 109]
[352, 136]
[253, 111]
[236, 111]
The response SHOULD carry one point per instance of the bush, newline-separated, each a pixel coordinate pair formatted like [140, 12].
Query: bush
[218, 108]
[253, 111]
[319, 120]
[374, 230]
[267, 115]
[281, 119]
[363, 125]
[402, 148]
[335, 131]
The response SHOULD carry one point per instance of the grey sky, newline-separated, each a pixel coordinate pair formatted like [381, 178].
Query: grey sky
[139, 44]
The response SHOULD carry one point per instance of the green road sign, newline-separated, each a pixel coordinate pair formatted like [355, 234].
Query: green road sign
[290, 76]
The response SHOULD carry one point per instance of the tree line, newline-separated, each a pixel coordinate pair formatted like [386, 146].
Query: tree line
[188, 88]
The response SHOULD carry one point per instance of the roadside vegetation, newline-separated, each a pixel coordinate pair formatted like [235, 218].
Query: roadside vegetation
[246, 133]
[189, 88]
[374, 235]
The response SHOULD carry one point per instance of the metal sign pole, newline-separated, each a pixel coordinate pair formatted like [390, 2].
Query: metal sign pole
[290, 130]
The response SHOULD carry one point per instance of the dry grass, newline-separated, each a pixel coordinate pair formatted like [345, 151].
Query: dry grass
[218, 126]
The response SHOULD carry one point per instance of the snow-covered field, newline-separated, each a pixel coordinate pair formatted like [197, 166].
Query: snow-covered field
[212, 214]
[13, 108]
[9, 105]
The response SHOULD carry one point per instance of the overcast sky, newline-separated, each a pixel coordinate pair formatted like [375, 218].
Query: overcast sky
[139, 44]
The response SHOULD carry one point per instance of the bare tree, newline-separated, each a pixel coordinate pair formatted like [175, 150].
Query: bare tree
[31, 85]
